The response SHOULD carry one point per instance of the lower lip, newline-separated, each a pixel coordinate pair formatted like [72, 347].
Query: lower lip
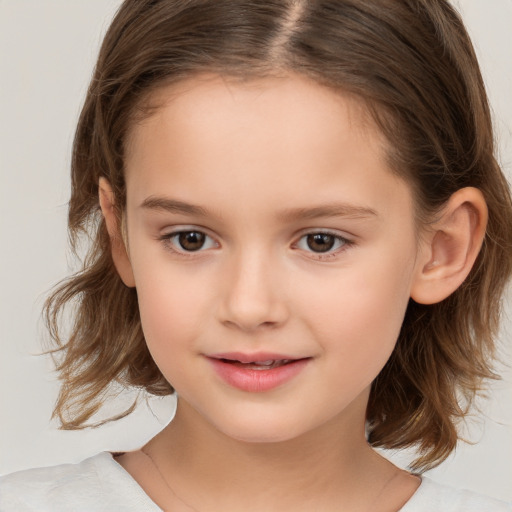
[257, 381]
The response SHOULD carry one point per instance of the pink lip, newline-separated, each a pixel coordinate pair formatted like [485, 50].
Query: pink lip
[256, 381]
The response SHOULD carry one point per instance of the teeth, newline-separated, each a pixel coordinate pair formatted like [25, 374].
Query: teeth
[268, 364]
[265, 365]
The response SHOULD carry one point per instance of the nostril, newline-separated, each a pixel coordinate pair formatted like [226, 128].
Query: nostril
[246, 326]
[252, 303]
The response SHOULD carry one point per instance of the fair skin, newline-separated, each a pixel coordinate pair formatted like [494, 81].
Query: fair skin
[297, 243]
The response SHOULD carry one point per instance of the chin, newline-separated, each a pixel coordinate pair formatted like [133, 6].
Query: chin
[264, 430]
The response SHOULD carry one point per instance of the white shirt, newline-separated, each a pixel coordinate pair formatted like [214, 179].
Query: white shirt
[100, 484]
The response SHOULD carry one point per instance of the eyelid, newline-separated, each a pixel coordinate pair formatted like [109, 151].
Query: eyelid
[169, 233]
[167, 236]
[347, 242]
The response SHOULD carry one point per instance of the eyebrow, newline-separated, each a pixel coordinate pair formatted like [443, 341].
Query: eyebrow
[328, 210]
[173, 206]
[311, 213]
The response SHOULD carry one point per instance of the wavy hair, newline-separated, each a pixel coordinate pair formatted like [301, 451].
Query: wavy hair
[412, 63]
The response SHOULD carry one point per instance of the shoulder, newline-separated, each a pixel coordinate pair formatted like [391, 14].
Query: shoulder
[443, 498]
[97, 484]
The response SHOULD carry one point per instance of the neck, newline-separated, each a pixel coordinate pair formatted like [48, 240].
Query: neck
[331, 461]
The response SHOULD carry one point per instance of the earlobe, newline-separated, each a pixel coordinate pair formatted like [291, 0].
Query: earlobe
[451, 248]
[118, 248]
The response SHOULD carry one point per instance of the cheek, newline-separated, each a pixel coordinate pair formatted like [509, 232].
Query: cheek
[172, 305]
[172, 318]
[358, 314]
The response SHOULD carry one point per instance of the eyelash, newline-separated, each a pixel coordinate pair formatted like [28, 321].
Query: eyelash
[343, 244]
[171, 243]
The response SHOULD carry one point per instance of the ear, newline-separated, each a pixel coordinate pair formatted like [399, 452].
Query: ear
[118, 248]
[451, 247]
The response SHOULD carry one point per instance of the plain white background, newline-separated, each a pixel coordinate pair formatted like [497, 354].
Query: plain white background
[47, 51]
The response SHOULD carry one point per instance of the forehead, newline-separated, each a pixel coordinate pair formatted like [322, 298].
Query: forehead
[283, 141]
[216, 98]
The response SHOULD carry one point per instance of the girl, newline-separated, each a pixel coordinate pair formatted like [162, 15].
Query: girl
[300, 228]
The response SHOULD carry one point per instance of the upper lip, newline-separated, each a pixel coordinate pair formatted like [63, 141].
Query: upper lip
[251, 358]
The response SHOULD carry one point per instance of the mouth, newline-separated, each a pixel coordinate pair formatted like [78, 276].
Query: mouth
[257, 372]
[268, 364]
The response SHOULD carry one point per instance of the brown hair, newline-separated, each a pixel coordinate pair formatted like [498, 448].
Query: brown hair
[412, 63]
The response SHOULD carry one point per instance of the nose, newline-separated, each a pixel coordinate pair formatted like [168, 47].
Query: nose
[254, 296]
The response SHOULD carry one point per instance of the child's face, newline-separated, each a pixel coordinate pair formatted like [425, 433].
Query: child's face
[297, 243]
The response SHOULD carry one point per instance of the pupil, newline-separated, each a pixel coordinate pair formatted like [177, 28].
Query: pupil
[320, 242]
[191, 240]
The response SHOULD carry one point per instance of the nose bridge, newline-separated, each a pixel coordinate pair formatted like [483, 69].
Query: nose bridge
[254, 296]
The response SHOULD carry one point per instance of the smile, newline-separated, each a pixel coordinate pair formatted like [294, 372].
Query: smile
[257, 373]
[269, 364]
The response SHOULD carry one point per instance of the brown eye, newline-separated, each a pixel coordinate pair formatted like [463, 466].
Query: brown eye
[321, 245]
[321, 242]
[183, 242]
[191, 240]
